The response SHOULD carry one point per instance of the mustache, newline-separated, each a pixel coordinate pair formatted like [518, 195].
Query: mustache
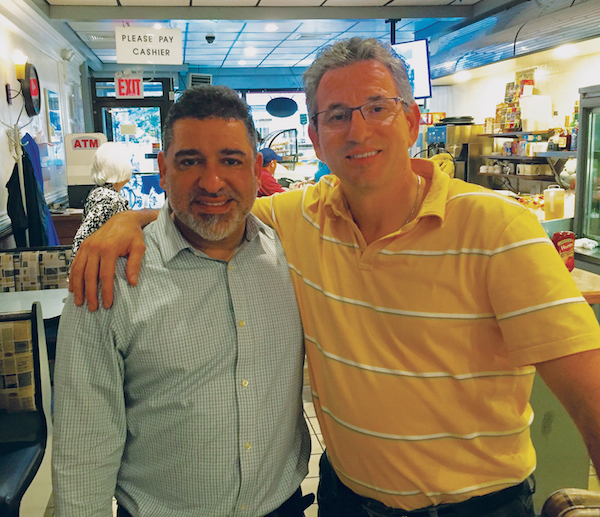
[198, 193]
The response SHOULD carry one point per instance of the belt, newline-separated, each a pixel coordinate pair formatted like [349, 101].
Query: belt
[474, 507]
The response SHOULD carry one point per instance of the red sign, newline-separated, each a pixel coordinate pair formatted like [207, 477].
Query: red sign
[84, 144]
[129, 88]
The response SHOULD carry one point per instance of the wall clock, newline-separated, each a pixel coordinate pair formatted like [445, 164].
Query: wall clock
[30, 87]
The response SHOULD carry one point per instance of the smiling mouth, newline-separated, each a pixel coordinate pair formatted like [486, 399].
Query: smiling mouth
[362, 155]
[212, 203]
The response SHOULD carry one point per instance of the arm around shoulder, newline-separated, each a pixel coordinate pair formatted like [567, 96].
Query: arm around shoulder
[120, 236]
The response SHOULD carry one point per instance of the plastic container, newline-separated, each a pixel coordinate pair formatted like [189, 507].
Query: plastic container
[554, 202]
[564, 242]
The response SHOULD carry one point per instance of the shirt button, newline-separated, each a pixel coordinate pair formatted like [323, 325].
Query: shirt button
[230, 267]
[244, 383]
[243, 507]
[242, 323]
[248, 445]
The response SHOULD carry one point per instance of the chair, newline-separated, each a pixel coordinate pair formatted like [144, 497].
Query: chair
[24, 404]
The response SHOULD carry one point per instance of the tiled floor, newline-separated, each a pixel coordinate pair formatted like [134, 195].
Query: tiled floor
[38, 499]
[311, 481]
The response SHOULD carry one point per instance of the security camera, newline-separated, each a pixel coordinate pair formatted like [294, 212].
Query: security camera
[210, 38]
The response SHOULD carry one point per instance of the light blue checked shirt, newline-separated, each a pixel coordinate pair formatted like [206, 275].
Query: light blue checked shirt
[184, 399]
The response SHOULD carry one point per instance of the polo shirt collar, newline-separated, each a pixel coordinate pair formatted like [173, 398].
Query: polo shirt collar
[434, 203]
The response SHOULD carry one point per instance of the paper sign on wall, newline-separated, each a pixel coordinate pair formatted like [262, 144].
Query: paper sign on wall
[148, 45]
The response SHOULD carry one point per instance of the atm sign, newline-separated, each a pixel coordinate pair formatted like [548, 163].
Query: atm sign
[129, 88]
[85, 144]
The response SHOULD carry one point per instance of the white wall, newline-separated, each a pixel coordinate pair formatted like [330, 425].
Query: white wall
[559, 78]
[22, 28]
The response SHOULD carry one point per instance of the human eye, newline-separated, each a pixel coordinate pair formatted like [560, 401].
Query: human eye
[378, 107]
[231, 162]
[187, 162]
[336, 116]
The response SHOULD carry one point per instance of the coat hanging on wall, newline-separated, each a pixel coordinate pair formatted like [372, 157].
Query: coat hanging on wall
[30, 145]
[35, 218]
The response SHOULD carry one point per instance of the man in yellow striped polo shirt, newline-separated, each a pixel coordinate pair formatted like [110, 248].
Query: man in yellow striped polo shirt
[421, 353]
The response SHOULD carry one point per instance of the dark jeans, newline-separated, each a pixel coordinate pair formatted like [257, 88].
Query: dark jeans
[336, 500]
[293, 507]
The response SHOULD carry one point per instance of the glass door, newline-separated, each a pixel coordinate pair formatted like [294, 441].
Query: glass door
[138, 124]
[591, 172]
[140, 129]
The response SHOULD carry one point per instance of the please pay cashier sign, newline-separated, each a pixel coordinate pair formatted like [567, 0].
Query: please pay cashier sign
[148, 45]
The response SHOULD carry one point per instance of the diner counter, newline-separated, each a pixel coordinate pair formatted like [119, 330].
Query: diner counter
[51, 300]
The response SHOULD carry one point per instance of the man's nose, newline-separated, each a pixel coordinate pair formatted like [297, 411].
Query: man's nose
[358, 126]
[211, 179]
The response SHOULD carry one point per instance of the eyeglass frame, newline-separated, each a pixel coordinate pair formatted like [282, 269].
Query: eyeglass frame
[352, 110]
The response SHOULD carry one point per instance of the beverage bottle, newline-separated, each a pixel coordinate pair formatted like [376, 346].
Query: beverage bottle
[564, 139]
[575, 127]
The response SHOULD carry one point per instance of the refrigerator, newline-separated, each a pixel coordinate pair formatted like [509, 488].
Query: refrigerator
[587, 209]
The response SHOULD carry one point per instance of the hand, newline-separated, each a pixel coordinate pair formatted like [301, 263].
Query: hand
[119, 236]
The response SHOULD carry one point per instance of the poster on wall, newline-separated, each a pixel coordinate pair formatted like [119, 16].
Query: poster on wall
[52, 152]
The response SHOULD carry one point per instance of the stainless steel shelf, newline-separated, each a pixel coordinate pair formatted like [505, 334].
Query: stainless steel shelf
[558, 154]
[522, 159]
[518, 176]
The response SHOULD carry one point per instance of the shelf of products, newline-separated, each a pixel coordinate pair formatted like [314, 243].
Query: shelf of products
[555, 160]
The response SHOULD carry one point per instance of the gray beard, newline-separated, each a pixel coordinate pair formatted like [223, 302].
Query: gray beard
[213, 227]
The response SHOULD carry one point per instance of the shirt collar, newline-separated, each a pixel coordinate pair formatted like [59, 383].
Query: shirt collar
[434, 203]
[171, 242]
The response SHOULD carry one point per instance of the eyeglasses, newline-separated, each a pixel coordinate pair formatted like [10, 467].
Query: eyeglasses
[380, 111]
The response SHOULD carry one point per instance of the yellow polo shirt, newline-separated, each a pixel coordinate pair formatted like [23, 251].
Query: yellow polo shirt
[420, 345]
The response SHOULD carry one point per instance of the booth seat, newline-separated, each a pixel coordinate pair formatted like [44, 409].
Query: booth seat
[25, 393]
[31, 269]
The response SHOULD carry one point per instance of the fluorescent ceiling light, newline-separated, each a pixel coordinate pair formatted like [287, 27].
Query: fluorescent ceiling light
[462, 77]
[565, 51]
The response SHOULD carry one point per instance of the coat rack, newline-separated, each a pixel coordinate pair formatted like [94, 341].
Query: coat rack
[16, 149]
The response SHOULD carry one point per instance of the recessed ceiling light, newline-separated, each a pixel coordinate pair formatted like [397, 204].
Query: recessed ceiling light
[241, 62]
[271, 27]
[249, 51]
[157, 26]
[565, 51]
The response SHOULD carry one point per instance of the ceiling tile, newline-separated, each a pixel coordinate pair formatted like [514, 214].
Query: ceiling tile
[224, 3]
[421, 2]
[290, 3]
[355, 3]
[84, 2]
[146, 3]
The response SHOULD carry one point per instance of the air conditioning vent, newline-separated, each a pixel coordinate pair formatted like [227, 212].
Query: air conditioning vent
[195, 79]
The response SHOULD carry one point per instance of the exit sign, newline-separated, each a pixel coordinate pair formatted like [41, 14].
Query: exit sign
[129, 88]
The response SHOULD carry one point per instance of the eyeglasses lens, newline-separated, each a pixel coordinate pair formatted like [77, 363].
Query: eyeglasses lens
[374, 112]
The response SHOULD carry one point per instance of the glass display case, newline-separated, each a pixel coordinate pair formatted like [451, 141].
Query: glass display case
[285, 144]
[587, 216]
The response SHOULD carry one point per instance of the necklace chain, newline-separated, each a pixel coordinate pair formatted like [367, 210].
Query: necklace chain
[416, 201]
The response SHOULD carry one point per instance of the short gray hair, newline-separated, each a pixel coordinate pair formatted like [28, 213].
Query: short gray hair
[111, 164]
[347, 52]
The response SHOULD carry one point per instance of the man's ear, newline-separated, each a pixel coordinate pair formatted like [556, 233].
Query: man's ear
[258, 170]
[314, 138]
[413, 117]
[162, 168]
